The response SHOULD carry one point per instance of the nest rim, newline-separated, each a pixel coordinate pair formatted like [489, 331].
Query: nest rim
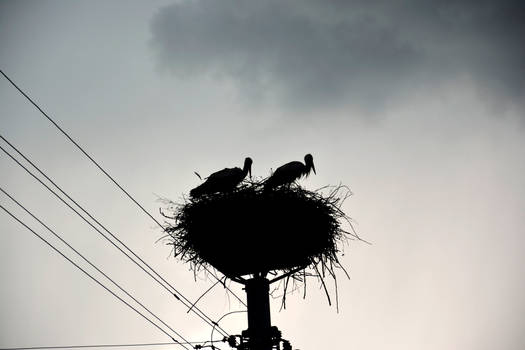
[324, 259]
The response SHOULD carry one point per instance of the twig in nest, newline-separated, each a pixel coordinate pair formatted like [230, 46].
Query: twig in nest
[252, 231]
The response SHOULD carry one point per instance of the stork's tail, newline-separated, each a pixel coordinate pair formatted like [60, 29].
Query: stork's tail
[199, 190]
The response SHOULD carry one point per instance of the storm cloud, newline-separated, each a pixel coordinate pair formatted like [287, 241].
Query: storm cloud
[322, 53]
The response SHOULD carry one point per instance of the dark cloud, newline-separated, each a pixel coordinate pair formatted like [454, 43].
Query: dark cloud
[321, 53]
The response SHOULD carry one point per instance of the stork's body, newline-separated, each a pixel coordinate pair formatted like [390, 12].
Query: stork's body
[289, 172]
[223, 180]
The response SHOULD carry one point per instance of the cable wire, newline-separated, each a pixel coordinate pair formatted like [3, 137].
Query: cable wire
[100, 167]
[178, 295]
[101, 346]
[90, 276]
[87, 346]
[77, 145]
[90, 263]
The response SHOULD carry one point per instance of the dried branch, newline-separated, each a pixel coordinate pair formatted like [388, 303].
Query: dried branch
[250, 231]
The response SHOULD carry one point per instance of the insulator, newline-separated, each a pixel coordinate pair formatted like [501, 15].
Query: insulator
[232, 341]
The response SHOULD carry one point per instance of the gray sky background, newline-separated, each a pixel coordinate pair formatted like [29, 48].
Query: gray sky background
[416, 106]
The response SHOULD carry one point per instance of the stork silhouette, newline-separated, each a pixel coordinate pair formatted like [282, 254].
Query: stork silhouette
[289, 172]
[223, 180]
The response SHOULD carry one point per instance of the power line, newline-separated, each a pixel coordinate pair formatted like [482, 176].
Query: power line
[90, 276]
[186, 302]
[90, 263]
[77, 145]
[87, 346]
[102, 346]
[102, 169]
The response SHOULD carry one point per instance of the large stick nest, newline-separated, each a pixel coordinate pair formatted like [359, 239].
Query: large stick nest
[251, 231]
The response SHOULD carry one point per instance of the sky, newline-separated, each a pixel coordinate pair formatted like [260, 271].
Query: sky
[416, 106]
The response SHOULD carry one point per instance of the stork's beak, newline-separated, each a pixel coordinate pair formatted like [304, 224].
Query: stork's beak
[313, 168]
[250, 172]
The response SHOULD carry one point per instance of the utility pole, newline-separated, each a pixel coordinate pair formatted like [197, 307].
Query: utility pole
[260, 335]
[259, 320]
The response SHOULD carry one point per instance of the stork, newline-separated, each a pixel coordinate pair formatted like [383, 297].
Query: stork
[223, 180]
[288, 173]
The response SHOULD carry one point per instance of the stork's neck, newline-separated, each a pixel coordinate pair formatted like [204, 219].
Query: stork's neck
[308, 168]
[245, 169]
